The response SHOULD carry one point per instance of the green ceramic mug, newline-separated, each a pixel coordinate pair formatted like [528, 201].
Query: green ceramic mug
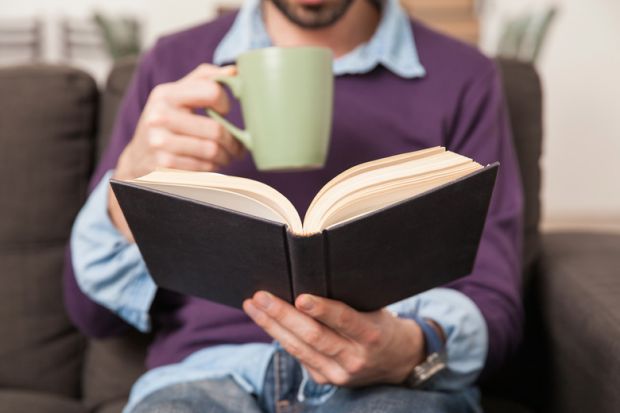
[286, 97]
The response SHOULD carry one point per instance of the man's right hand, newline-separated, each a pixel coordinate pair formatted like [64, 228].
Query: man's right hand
[169, 134]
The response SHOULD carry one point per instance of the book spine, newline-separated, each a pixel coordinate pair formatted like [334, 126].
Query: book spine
[308, 264]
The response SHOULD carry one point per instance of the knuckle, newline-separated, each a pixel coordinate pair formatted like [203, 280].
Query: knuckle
[156, 139]
[262, 320]
[208, 166]
[164, 159]
[292, 348]
[276, 312]
[210, 149]
[355, 365]
[223, 157]
[333, 351]
[317, 309]
[340, 378]
[193, 165]
[205, 67]
[161, 91]
[157, 117]
[344, 319]
[217, 130]
[318, 379]
[312, 335]
[217, 92]
[373, 336]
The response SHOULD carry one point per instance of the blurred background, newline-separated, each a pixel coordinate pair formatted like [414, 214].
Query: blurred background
[574, 44]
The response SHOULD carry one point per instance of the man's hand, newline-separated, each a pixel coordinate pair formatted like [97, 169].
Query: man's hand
[337, 344]
[169, 134]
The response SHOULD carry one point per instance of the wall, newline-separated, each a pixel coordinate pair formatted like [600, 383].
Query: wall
[580, 67]
[157, 16]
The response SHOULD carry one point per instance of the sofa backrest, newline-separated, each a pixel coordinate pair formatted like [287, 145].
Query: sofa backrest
[47, 124]
[524, 98]
[111, 98]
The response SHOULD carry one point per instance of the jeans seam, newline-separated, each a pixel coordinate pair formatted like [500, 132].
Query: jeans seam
[276, 390]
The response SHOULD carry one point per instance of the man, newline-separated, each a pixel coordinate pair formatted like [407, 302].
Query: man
[399, 87]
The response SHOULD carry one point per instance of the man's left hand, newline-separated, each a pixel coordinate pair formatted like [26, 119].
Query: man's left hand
[337, 344]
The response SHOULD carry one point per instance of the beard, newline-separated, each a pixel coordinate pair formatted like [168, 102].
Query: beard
[313, 16]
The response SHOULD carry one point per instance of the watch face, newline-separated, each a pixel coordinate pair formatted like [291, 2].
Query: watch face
[424, 371]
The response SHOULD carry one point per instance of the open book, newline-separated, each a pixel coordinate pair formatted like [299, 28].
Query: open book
[404, 223]
[355, 192]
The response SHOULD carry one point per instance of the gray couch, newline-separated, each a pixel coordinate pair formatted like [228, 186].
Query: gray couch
[53, 126]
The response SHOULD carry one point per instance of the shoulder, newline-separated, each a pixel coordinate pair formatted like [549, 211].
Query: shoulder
[447, 59]
[198, 39]
[176, 54]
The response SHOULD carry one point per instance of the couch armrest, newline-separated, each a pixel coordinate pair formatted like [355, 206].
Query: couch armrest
[580, 300]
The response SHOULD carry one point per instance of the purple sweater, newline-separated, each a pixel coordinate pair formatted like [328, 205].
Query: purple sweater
[458, 104]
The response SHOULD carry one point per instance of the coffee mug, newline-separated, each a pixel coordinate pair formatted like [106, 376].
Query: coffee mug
[286, 97]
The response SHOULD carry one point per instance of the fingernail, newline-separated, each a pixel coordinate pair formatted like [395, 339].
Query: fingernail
[250, 309]
[263, 299]
[306, 302]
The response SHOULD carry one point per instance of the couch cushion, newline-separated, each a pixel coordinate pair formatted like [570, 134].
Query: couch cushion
[12, 401]
[47, 116]
[524, 99]
[581, 310]
[112, 366]
[114, 406]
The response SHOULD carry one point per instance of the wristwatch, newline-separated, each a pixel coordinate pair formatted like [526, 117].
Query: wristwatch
[435, 360]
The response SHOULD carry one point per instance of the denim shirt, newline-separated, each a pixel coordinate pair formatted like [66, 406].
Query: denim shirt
[120, 280]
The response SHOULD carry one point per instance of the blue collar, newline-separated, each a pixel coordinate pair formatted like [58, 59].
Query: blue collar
[392, 45]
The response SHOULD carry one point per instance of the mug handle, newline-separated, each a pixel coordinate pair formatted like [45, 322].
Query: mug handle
[234, 83]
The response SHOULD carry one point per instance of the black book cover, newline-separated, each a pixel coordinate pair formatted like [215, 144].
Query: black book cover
[222, 255]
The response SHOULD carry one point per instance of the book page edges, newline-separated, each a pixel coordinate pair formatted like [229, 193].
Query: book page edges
[494, 165]
[195, 201]
[374, 165]
[257, 191]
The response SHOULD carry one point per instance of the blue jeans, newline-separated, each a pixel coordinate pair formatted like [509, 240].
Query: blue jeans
[281, 395]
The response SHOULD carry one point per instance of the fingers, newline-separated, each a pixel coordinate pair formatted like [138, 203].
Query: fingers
[207, 71]
[189, 124]
[197, 89]
[340, 317]
[307, 329]
[314, 360]
[335, 343]
[169, 134]
[189, 146]
[316, 376]
[188, 163]
[192, 93]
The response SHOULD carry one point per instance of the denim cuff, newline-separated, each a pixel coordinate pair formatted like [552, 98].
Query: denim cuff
[465, 330]
[108, 268]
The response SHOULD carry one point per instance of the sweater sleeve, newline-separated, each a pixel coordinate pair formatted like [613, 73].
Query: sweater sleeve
[481, 131]
[91, 318]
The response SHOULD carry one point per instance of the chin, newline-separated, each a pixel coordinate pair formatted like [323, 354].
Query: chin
[313, 14]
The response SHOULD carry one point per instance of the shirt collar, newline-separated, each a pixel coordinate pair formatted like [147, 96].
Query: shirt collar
[392, 44]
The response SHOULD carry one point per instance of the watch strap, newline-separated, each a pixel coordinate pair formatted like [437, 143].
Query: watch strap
[432, 339]
[435, 354]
